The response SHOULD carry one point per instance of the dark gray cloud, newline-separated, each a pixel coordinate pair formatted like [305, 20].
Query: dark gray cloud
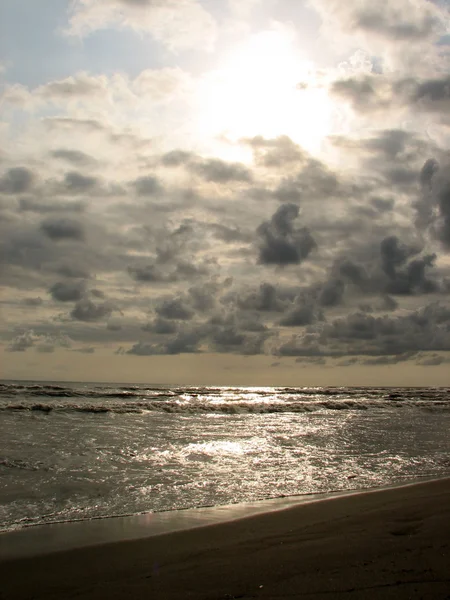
[63, 229]
[353, 272]
[77, 183]
[41, 341]
[218, 171]
[281, 242]
[370, 93]
[175, 308]
[395, 25]
[175, 255]
[86, 310]
[413, 278]
[185, 342]
[443, 225]
[161, 326]
[432, 360]
[203, 297]
[29, 204]
[177, 158]
[69, 123]
[300, 316]
[433, 205]
[209, 169]
[402, 22]
[229, 234]
[432, 91]
[276, 153]
[362, 334]
[147, 186]
[264, 299]
[22, 342]
[147, 274]
[75, 157]
[429, 169]
[313, 181]
[17, 180]
[231, 339]
[332, 293]
[72, 271]
[362, 92]
[394, 254]
[388, 303]
[85, 350]
[159, 272]
[32, 301]
[67, 291]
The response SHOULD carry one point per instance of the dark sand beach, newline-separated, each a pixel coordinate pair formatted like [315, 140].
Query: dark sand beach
[390, 543]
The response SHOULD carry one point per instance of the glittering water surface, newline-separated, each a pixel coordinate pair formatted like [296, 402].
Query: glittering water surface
[81, 451]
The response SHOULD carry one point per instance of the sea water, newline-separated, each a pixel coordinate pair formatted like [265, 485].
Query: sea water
[81, 451]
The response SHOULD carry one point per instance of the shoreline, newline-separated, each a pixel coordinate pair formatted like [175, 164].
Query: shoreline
[382, 543]
[45, 538]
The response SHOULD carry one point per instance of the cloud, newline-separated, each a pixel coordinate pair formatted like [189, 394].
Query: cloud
[394, 254]
[86, 310]
[17, 180]
[300, 316]
[147, 274]
[360, 334]
[30, 204]
[79, 85]
[332, 292]
[174, 308]
[161, 326]
[373, 93]
[77, 183]
[84, 350]
[42, 342]
[33, 302]
[185, 342]
[404, 21]
[76, 157]
[177, 24]
[22, 342]
[276, 153]
[432, 360]
[74, 124]
[67, 291]
[147, 186]
[433, 205]
[352, 271]
[264, 299]
[63, 229]
[281, 242]
[177, 158]
[219, 171]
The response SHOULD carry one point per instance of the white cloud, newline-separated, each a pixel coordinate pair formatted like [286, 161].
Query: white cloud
[178, 24]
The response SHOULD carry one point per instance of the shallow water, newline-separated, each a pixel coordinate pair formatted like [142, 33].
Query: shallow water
[81, 451]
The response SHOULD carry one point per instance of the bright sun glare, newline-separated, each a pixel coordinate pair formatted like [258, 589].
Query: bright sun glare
[265, 88]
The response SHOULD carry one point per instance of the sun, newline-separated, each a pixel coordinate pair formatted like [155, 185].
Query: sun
[265, 87]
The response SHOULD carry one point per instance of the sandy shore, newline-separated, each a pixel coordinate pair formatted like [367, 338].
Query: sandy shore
[392, 543]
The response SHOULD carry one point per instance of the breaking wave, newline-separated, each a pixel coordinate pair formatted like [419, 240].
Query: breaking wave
[96, 399]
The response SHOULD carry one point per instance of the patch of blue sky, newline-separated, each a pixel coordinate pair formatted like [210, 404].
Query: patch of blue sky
[35, 50]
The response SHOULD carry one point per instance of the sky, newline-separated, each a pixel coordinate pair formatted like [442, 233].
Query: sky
[230, 192]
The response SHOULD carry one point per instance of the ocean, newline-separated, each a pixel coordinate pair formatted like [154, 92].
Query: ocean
[80, 451]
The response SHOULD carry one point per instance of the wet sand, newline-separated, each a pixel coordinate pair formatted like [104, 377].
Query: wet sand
[390, 543]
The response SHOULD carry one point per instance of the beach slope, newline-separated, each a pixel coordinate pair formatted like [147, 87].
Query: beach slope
[391, 543]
